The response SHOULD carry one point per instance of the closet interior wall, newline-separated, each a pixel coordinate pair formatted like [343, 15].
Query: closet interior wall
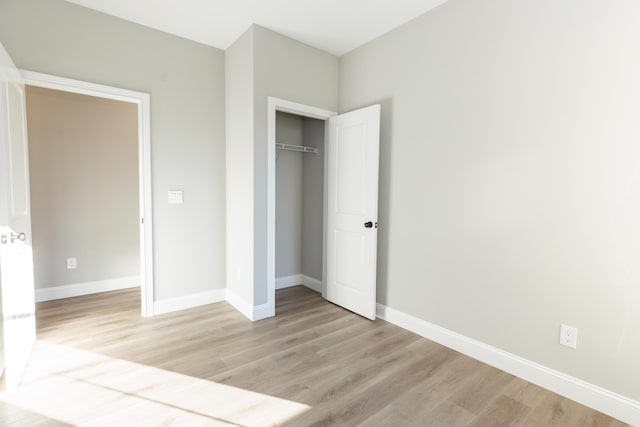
[299, 201]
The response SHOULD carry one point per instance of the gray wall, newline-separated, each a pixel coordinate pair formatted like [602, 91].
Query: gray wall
[239, 170]
[260, 64]
[286, 69]
[186, 83]
[83, 174]
[289, 183]
[509, 190]
[312, 198]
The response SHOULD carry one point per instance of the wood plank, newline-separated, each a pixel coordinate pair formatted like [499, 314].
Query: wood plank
[97, 362]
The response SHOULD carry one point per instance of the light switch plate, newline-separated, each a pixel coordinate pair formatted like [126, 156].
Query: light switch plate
[175, 197]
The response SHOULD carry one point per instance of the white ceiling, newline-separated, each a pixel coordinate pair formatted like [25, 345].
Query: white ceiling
[336, 26]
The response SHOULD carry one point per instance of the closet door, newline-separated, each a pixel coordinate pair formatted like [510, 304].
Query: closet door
[352, 210]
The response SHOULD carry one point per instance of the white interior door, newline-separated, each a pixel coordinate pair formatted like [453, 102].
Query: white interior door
[352, 209]
[16, 259]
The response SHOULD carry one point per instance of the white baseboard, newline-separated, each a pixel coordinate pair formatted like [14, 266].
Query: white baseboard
[288, 281]
[598, 398]
[188, 301]
[251, 312]
[78, 289]
[298, 279]
[311, 283]
[262, 311]
[240, 304]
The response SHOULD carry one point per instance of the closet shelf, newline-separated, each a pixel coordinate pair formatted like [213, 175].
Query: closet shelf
[298, 148]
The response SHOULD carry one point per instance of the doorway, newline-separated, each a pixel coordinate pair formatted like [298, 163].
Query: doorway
[276, 105]
[142, 103]
[349, 208]
[299, 201]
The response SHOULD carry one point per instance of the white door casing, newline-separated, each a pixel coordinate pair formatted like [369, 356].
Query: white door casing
[16, 259]
[352, 209]
[143, 101]
[274, 105]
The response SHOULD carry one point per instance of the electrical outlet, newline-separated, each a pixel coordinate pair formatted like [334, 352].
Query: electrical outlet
[568, 336]
[72, 263]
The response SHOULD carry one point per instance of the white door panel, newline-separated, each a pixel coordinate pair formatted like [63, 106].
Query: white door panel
[16, 259]
[353, 152]
[16, 280]
[18, 156]
[350, 193]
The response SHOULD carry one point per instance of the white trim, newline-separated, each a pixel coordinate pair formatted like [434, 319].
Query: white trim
[288, 281]
[239, 304]
[262, 311]
[325, 208]
[144, 163]
[251, 312]
[276, 104]
[311, 283]
[598, 398]
[49, 81]
[87, 288]
[300, 109]
[299, 279]
[188, 301]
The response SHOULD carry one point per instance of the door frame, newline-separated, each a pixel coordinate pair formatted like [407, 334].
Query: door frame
[143, 101]
[275, 105]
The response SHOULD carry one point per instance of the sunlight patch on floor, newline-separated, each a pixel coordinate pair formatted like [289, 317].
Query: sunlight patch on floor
[85, 388]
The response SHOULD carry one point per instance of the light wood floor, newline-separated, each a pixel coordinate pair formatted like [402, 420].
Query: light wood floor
[97, 362]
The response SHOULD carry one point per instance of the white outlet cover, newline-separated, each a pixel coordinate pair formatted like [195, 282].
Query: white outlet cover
[72, 263]
[175, 197]
[568, 336]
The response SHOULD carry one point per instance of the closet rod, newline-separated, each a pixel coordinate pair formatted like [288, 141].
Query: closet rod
[299, 148]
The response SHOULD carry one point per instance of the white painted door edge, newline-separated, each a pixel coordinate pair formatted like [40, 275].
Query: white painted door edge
[143, 101]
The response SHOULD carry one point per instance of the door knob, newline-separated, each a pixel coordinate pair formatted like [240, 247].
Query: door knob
[368, 224]
[16, 236]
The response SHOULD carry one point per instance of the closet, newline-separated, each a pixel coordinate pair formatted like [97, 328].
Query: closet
[299, 201]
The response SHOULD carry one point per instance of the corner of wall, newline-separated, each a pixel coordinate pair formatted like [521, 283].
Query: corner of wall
[239, 89]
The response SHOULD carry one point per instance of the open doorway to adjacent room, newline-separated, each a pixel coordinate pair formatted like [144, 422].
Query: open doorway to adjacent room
[89, 180]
